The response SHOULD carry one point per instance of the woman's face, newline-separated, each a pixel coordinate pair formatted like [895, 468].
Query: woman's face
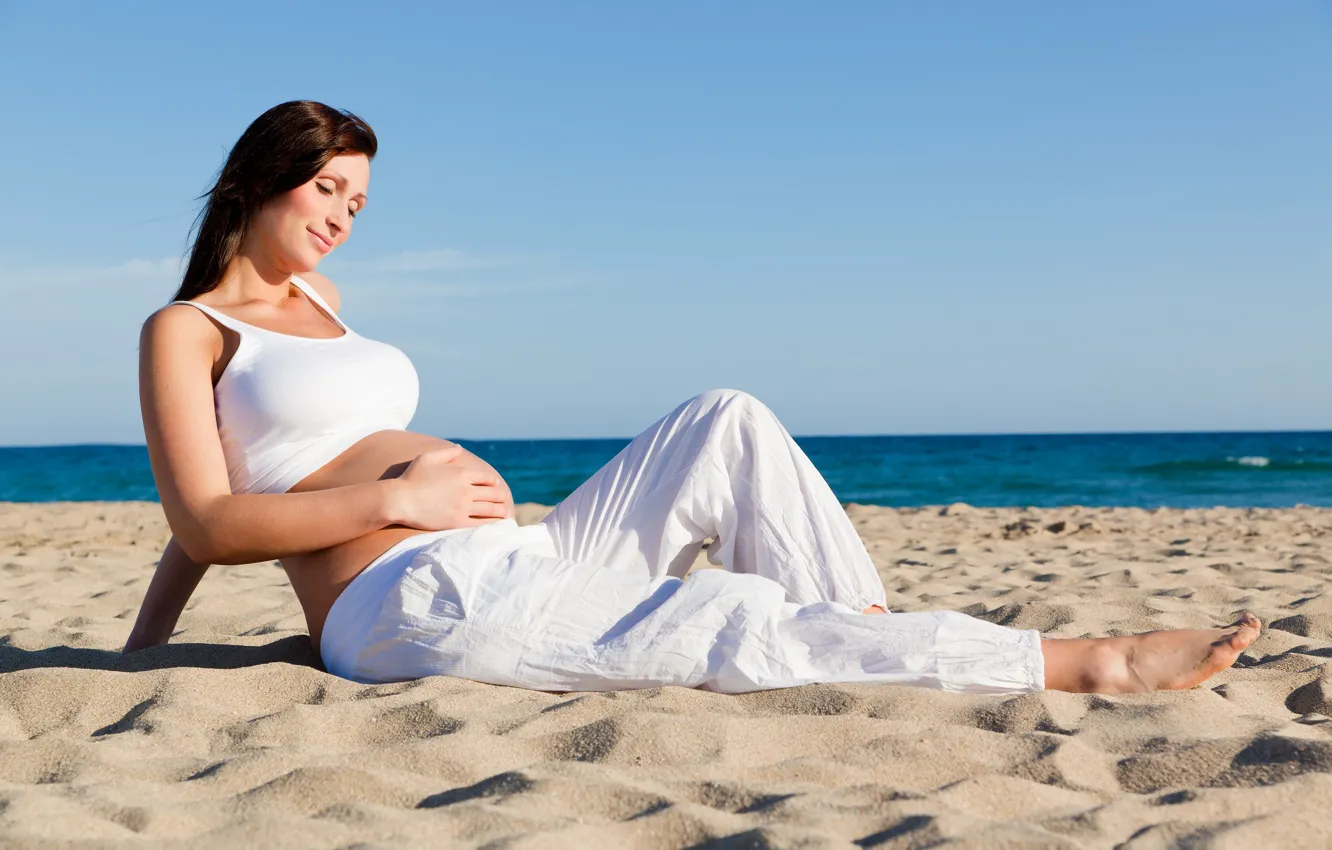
[295, 230]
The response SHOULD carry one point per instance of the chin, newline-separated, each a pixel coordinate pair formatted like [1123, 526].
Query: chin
[305, 264]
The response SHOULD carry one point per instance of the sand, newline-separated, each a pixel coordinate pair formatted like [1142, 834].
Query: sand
[230, 736]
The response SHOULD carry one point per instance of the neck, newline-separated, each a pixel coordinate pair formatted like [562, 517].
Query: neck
[252, 278]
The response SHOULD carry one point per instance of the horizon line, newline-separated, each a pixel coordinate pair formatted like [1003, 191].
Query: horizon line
[943, 435]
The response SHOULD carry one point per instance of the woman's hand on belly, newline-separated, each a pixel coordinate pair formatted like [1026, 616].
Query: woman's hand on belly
[467, 458]
[433, 486]
[449, 487]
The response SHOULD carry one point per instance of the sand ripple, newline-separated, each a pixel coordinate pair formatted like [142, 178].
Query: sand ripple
[231, 736]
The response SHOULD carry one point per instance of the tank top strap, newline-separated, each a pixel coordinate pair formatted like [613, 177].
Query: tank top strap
[318, 300]
[221, 318]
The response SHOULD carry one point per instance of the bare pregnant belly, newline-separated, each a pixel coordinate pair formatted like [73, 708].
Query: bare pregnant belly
[318, 577]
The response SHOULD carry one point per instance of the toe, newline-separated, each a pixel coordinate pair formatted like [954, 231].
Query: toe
[1235, 642]
[1247, 631]
[1246, 619]
[1251, 624]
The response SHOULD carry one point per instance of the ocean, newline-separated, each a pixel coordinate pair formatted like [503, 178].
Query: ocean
[1266, 469]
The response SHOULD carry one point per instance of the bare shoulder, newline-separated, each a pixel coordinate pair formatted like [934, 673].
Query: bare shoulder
[325, 288]
[177, 323]
[178, 336]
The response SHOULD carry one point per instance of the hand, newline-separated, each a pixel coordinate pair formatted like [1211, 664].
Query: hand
[173, 582]
[138, 641]
[437, 493]
[467, 457]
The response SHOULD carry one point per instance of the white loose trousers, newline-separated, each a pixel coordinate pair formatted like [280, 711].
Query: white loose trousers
[595, 597]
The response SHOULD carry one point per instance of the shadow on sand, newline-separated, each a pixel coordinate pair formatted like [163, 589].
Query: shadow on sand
[295, 650]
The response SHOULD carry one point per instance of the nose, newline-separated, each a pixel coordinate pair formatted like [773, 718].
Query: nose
[339, 221]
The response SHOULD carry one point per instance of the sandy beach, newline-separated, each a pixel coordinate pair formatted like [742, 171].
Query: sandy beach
[231, 736]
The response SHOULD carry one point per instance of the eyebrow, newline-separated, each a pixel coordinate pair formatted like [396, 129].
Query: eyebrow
[342, 181]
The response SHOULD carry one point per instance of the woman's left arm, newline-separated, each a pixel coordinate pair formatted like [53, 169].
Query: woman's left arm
[173, 582]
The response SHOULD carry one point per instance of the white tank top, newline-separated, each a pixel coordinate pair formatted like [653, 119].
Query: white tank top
[286, 405]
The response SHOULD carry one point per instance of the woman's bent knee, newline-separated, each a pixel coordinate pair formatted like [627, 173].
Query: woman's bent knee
[728, 398]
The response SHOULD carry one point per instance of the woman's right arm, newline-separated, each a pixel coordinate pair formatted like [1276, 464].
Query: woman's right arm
[177, 349]
[168, 592]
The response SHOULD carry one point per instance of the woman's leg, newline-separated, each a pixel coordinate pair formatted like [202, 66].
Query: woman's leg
[720, 465]
[486, 606]
[490, 606]
[1165, 660]
[602, 609]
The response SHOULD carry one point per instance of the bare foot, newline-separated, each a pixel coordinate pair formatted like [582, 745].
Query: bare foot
[875, 609]
[1165, 660]
[1174, 660]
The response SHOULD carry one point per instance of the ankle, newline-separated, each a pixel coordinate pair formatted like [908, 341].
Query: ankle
[1090, 665]
[1110, 666]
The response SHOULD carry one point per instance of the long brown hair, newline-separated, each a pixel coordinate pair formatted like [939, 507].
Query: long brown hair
[284, 148]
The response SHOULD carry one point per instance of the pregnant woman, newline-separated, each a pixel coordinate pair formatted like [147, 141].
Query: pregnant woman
[276, 431]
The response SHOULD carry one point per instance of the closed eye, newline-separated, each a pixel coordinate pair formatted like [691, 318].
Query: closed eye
[328, 191]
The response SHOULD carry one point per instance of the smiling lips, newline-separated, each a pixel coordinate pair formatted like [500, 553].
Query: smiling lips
[324, 245]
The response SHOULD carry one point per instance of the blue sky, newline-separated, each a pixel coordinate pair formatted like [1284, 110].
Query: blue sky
[877, 217]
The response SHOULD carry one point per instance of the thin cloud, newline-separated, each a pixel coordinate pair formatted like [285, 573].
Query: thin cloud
[413, 289]
[171, 269]
[438, 260]
[155, 272]
[72, 293]
[447, 274]
[438, 273]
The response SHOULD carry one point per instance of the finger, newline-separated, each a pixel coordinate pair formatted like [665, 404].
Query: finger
[481, 475]
[490, 510]
[451, 451]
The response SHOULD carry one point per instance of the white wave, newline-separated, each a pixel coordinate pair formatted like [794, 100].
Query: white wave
[1254, 460]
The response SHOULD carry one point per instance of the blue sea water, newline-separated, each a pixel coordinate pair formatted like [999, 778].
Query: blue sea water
[1269, 469]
